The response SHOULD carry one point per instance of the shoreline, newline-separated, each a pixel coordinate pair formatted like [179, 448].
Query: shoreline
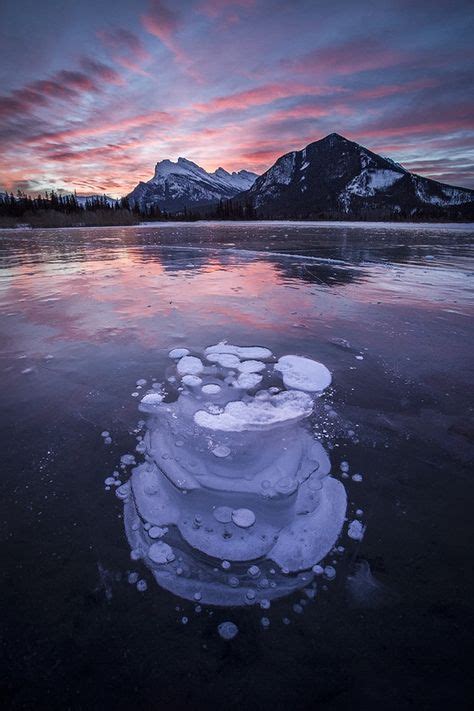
[448, 226]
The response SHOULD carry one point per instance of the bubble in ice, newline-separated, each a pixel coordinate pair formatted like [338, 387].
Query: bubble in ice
[178, 353]
[223, 514]
[221, 451]
[160, 553]
[227, 630]
[248, 381]
[251, 366]
[303, 373]
[211, 389]
[192, 381]
[189, 365]
[356, 530]
[244, 518]
[329, 572]
[234, 501]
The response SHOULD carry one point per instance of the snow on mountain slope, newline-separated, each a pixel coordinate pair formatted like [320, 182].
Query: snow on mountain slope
[336, 178]
[180, 184]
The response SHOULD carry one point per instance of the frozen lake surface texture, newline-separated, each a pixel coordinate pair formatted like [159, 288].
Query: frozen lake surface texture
[237, 466]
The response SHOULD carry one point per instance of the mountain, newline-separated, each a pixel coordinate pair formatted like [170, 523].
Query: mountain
[335, 178]
[175, 186]
[83, 199]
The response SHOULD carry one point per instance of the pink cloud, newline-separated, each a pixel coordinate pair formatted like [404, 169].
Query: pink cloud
[214, 8]
[127, 49]
[164, 23]
[161, 21]
[257, 96]
[349, 58]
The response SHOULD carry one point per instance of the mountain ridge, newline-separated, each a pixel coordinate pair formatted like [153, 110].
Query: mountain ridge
[184, 184]
[334, 178]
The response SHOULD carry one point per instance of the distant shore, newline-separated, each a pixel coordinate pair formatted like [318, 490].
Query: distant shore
[349, 224]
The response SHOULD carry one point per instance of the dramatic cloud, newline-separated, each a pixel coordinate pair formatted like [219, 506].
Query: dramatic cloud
[233, 83]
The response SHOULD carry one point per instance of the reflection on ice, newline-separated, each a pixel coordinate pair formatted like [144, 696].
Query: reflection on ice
[234, 504]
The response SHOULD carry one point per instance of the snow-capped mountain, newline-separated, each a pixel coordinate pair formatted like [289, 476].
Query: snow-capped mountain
[175, 186]
[83, 199]
[339, 179]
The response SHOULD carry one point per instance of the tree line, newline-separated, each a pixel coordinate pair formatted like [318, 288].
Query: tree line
[52, 209]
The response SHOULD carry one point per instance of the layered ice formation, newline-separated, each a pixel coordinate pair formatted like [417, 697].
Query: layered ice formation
[233, 504]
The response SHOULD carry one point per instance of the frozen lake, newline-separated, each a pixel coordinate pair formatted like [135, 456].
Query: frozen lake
[85, 314]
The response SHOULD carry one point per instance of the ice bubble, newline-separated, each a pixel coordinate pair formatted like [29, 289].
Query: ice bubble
[359, 512]
[356, 530]
[189, 365]
[108, 440]
[227, 630]
[221, 451]
[254, 352]
[211, 389]
[297, 608]
[223, 514]
[344, 467]
[123, 491]
[157, 532]
[251, 366]
[132, 578]
[248, 381]
[265, 604]
[142, 585]
[153, 398]
[184, 620]
[303, 373]
[225, 360]
[357, 477]
[235, 478]
[239, 416]
[141, 382]
[254, 571]
[329, 572]
[244, 518]
[161, 553]
[105, 434]
[178, 353]
[192, 381]
[265, 622]
[110, 481]
[127, 459]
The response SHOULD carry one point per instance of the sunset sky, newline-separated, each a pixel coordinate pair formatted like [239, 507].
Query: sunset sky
[94, 93]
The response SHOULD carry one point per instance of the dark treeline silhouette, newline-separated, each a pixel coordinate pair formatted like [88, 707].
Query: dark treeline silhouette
[55, 210]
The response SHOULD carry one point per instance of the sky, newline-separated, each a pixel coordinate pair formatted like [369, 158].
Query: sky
[93, 94]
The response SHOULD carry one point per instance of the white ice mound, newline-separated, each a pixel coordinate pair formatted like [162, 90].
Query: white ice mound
[234, 504]
[239, 416]
[303, 373]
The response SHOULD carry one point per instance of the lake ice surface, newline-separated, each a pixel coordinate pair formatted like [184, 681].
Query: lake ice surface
[87, 315]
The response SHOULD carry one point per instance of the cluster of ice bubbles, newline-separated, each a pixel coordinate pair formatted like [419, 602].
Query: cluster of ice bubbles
[233, 504]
